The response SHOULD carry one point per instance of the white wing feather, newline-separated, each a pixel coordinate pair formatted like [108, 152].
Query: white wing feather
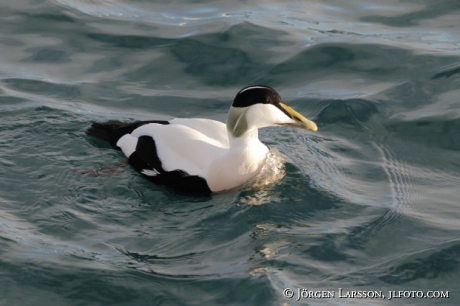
[182, 147]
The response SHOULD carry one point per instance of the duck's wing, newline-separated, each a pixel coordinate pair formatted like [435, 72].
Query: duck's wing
[175, 153]
[179, 147]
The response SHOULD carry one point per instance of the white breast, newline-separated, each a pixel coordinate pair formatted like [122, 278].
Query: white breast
[236, 166]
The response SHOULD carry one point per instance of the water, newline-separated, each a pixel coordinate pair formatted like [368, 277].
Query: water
[369, 202]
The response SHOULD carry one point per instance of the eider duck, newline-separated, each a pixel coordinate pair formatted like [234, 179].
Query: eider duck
[203, 156]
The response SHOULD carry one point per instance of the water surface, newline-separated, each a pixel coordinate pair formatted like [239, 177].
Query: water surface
[369, 202]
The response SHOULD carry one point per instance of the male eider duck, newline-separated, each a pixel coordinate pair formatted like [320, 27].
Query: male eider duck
[203, 156]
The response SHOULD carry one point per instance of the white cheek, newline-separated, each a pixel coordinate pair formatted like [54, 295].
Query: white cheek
[262, 115]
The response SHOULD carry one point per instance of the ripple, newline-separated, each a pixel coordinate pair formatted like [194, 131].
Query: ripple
[426, 264]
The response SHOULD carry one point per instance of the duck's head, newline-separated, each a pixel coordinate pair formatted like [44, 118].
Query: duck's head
[261, 106]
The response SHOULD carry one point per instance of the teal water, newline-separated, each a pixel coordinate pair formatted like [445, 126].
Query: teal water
[370, 202]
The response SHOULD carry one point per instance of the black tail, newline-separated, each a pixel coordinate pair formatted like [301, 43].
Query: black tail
[111, 131]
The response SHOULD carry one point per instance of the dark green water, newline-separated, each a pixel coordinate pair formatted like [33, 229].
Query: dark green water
[369, 202]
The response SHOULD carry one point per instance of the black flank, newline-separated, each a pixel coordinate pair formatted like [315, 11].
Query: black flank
[146, 157]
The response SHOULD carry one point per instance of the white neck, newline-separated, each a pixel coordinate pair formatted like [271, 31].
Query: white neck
[244, 140]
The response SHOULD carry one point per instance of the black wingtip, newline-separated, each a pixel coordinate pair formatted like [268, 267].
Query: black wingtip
[107, 131]
[112, 131]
